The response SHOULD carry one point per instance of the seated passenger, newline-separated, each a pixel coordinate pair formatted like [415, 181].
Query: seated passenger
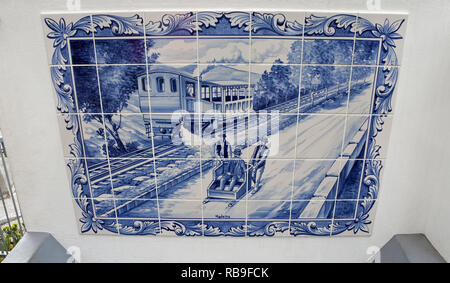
[234, 170]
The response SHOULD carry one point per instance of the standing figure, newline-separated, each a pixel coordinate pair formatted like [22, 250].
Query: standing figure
[258, 161]
[234, 170]
[222, 148]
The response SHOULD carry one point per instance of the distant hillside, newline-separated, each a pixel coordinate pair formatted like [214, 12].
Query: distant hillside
[220, 73]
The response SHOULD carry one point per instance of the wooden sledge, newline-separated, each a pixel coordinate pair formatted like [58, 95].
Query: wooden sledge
[239, 190]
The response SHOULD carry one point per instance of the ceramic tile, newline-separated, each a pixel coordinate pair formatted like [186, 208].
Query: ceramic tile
[265, 80]
[180, 209]
[366, 52]
[88, 223]
[362, 90]
[213, 123]
[331, 25]
[270, 174]
[315, 178]
[68, 129]
[362, 224]
[355, 136]
[213, 23]
[312, 209]
[263, 209]
[171, 50]
[227, 228]
[120, 51]
[350, 188]
[324, 89]
[87, 91]
[231, 80]
[222, 209]
[74, 166]
[259, 228]
[286, 24]
[389, 29]
[173, 176]
[320, 136]
[64, 97]
[167, 23]
[138, 227]
[276, 131]
[224, 50]
[106, 25]
[328, 51]
[133, 178]
[56, 25]
[165, 84]
[384, 99]
[317, 227]
[120, 80]
[276, 50]
[137, 208]
[381, 126]
[82, 51]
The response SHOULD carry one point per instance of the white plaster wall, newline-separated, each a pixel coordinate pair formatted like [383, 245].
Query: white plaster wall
[417, 165]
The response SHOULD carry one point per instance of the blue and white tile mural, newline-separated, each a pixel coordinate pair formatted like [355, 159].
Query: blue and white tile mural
[225, 123]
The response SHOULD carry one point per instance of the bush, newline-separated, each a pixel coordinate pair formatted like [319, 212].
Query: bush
[11, 236]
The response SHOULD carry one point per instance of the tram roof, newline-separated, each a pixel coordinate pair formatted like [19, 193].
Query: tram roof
[173, 70]
[228, 83]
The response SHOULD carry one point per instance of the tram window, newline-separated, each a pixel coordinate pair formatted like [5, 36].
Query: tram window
[173, 85]
[219, 92]
[144, 83]
[190, 89]
[160, 84]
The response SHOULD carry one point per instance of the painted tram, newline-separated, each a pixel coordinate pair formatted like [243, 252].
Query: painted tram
[173, 90]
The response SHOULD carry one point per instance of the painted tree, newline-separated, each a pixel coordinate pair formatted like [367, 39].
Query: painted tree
[117, 84]
[294, 57]
[283, 87]
[274, 86]
[262, 92]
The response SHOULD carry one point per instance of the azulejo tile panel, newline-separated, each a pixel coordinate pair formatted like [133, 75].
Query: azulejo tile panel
[214, 123]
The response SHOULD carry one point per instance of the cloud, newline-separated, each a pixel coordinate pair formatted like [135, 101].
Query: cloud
[174, 50]
[267, 51]
[223, 51]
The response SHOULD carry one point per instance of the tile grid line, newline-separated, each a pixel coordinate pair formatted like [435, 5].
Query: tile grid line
[226, 36]
[104, 126]
[220, 113]
[248, 118]
[343, 145]
[297, 124]
[369, 127]
[80, 127]
[228, 63]
[151, 121]
[202, 189]
[184, 158]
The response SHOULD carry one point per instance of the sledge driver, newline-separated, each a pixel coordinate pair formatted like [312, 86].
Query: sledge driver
[258, 161]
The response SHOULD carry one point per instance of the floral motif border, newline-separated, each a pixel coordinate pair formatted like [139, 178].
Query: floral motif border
[193, 22]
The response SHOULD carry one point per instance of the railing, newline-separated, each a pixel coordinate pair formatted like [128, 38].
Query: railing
[11, 222]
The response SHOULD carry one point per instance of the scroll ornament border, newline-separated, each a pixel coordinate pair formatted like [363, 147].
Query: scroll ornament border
[192, 22]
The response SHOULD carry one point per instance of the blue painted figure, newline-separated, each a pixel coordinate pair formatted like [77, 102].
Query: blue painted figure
[258, 162]
[222, 148]
[234, 170]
